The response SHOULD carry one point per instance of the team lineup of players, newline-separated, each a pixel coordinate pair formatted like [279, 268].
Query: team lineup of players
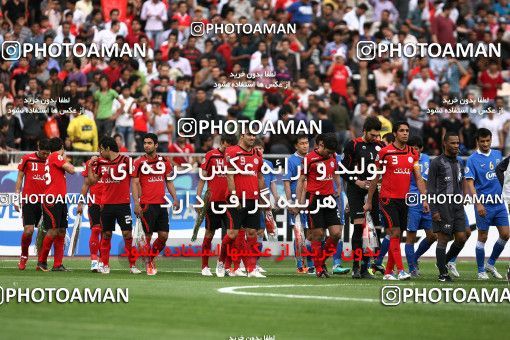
[311, 176]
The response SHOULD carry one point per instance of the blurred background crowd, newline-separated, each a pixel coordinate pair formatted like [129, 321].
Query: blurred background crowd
[322, 76]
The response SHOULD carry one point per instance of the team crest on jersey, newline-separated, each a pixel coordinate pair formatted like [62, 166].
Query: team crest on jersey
[256, 161]
[410, 159]
[466, 170]
[332, 164]
[60, 158]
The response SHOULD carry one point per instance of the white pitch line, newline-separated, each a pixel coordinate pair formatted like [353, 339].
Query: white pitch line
[234, 290]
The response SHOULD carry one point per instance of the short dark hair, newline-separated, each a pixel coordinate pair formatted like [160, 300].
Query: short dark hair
[415, 141]
[152, 136]
[44, 144]
[330, 141]
[258, 142]
[389, 137]
[109, 142]
[55, 144]
[449, 134]
[299, 137]
[396, 126]
[229, 138]
[372, 123]
[482, 133]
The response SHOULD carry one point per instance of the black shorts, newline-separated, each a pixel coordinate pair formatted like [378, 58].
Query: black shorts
[325, 217]
[95, 215]
[215, 221]
[394, 213]
[240, 218]
[116, 212]
[54, 215]
[31, 213]
[453, 220]
[154, 218]
[356, 199]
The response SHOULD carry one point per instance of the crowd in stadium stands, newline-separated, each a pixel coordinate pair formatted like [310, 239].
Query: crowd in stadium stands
[322, 76]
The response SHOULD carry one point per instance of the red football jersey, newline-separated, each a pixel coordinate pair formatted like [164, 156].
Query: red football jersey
[248, 161]
[319, 182]
[33, 168]
[218, 188]
[152, 184]
[55, 175]
[175, 148]
[399, 169]
[95, 190]
[116, 175]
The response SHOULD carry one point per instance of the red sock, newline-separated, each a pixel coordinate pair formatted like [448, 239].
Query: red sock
[390, 264]
[128, 244]
[329, 247]
[226, 243]
[106, 244]
[58, 245]
[395, 249]
[46, 246]
[158, 246]
[26, 239]
[239, 245]
[252, 247]
[206, 247]
[94, 242]
[228, 262]
[317, 249]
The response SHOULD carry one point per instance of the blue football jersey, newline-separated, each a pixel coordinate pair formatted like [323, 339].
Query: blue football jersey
[424, 163]
[482, 169]
[294, 163]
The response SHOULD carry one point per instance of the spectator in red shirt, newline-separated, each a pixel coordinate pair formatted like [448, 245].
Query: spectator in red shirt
[192, 53]
[225, 50]
[113, 71]
[120, 143]
[135, 31]
[181, 146]
[141, 118]
[490, 81]
[182, 16]
[340, 75]
[443, 28]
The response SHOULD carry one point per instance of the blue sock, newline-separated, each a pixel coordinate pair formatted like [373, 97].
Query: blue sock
[337, 258]
[453, 260]
[496, 251]
[422, 248]
[309, 260]
[385, 245]
[480, 256]
[409, 248]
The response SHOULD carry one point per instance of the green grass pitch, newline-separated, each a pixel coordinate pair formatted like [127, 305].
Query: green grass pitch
[179, 303]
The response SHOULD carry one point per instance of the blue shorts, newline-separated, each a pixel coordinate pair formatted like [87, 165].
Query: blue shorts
[496, 215]
[417, 219]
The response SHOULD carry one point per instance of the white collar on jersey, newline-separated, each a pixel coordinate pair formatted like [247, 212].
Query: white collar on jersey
[297, 154]
[485, 154]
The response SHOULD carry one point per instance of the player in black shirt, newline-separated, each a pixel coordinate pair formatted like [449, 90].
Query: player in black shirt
[358, 154]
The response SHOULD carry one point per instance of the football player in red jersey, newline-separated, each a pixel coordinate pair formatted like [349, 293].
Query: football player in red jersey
[218, 191]
[115, 170]
[247, 184]
[400, 161]
[31, 176]
[54, 206]
[150, 177]
[94, 212]
[318, 172]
